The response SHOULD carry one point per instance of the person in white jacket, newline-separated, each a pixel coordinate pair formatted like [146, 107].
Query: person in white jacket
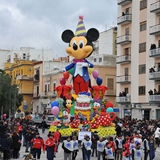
[157, 136]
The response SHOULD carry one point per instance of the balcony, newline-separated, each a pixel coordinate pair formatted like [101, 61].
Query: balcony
[24, 77]
[155, 30]
[124, 19]
[123, 79]
[154, 98]
[123, 59]
[52, 94]
[154, 76]
[154, 52]
[155, 8]
[25, 91]
[125, 39]
[124, 2]
[123, 100]
[44, 95]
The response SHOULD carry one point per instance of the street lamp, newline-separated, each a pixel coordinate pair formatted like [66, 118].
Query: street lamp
[10, 105]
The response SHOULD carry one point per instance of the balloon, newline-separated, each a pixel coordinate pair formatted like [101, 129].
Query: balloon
[66, 75]
[71, 71]
[109, 104]
[95, 74]
[109, 110]
[55, 111]
[62, 81]
[99, 81]
[90, 70]
[54, 104]
[4, 115]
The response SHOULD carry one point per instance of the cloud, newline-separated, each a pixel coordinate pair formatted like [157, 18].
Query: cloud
[40, 23]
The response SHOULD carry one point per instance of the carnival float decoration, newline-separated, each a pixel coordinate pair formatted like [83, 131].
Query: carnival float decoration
[87, 109]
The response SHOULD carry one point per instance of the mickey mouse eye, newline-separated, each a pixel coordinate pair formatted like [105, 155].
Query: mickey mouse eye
[74, 44]
[81, 44]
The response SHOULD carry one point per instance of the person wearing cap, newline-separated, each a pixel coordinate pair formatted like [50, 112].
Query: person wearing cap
[38, 143]
[50, 147]
[67, 146]
[87, 148]
[75, 147]
[119, 147]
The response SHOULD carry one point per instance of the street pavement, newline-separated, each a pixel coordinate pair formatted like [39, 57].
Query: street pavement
[59, 155]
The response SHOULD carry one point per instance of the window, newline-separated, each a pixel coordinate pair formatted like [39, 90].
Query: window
[142, 90]
[110, 83]
[126, 90]
[143, 26]
[126, 51]
[54, 86]
[142, 47]
[142, 69]
[48, 87]
[127, 31]
[126, 71]
[100, 59]
[37, 91]
[45, 89]
[143, 4]
[95, 59]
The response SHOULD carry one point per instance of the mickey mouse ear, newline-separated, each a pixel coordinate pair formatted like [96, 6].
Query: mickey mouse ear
[92, 34]
[67, 35]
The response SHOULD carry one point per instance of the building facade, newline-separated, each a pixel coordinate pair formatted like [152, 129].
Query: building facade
[21, 72]
[138, 28]
[46, 77]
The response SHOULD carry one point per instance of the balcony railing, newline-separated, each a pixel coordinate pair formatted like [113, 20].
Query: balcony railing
[155, 30]
[155, 7]
[51, 94]
[44, 94]
[123, 99]
[124, 2]
[123, 59]
[154, 76]
[20, 77]
[124, 19]
[124, 39]
[123, 79]
[154, 52]
[154, 98]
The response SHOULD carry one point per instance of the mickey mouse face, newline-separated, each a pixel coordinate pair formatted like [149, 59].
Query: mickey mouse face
[80, 47]
[68, 103]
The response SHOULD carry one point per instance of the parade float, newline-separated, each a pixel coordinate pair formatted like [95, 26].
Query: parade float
[87, 109]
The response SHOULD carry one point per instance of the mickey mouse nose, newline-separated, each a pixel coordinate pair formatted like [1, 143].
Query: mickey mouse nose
[75, 46]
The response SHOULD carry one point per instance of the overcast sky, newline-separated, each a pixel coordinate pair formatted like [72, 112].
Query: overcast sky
[40, 23]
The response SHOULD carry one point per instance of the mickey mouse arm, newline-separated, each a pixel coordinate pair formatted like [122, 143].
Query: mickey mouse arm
[90, 65]
[69, 66]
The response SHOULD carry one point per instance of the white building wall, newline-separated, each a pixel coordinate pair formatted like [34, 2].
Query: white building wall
[3, 55]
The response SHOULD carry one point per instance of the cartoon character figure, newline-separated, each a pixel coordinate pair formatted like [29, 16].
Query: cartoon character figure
[80, 47]
[68, 105]
[94, 115]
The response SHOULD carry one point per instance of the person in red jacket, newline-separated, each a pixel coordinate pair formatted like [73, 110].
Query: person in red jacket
[57, 136]
[38, 143]
[50, 147]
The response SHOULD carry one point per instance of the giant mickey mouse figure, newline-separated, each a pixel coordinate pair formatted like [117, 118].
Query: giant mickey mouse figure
[80, 47]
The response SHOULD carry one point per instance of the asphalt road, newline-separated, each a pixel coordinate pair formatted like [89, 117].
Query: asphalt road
[59, 155]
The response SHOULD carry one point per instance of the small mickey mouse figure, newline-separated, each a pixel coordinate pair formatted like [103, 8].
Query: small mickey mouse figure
[80, 47]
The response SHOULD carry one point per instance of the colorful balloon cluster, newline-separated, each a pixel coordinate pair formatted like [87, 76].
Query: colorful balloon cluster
[65, 77]
[55, 108]
[98, 79]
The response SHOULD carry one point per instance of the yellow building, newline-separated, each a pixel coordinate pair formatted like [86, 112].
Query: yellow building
[22, 74]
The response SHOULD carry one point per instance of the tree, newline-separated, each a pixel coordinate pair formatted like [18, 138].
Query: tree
[9, 97]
